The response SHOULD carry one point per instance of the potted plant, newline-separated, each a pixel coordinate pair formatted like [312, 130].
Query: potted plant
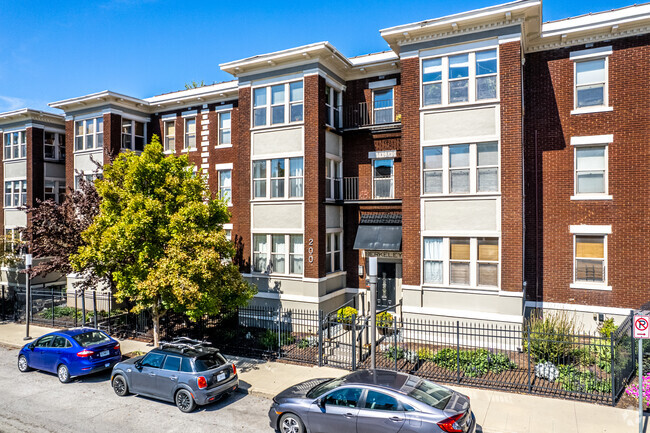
[345, 316]
[385, 323]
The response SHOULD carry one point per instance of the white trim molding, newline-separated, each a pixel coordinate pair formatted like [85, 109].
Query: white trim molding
[585, 229]
[578, 308]
[382, 84]
[464, 314]
[587, 140]
[591, 53]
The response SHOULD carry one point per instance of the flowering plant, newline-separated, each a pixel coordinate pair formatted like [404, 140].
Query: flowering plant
[633, 390]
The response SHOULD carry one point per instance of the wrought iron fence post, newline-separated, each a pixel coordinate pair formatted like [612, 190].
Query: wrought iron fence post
[279, 331]
[52, 299]
[110, 304]
[458, 351]
[530, 382]
[76, 310]
[394, 339]
[83, 307]
[354, 342]
[612, 369]
[95, 309]
[320, 338]
[3, 302]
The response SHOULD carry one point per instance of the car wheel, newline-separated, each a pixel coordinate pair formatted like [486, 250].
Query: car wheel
[119, 385]
[63, 373]
[22, 364]
[185, 401]
[291, 423]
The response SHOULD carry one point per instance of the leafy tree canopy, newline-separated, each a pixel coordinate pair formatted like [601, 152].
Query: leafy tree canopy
[159, 237]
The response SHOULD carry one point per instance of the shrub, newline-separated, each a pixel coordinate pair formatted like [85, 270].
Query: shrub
[384, 320]
[607, 327]
[60, 311]
[311, 341]
[547, 370]
[573, 379]
[269, 339]
[345, 314]
[551, 337]
[474, 363]
[394, 353]
[425, 354]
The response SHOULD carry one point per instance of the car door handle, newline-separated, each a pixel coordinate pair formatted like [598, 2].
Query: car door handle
[348, 415]
[152, 374]
[173, 377]
[395, 418]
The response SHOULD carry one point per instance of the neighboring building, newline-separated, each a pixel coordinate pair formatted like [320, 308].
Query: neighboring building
[492, 162]
[33, 168]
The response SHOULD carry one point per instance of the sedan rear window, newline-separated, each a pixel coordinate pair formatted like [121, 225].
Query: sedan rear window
[431, 394]
[208, 362]
[91, 338]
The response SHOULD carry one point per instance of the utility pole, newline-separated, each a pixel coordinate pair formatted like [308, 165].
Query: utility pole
[28, 295]
[372, 274]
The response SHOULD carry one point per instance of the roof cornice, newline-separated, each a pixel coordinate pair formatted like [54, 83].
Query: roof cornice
[28, 114]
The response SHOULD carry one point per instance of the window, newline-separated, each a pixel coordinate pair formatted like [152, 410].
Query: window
[15, 193]
[460, 78]
[382, 178]
[433, 256]
[224, 127]
[55, 190]
[228, 234]
[278, 177]
[380, 401]
[346, 397]
[590, 259]
[591, 170]
[466, 261]
[13, 239]
[283, 249]
[333, 179]
[190, 133]
[45, 341]
[132, 135]
[286, 104]
[172, 363]
[61, 342]
[382, 104]
[88, 177]
[15, 145]
[89, 134]
[461, 168]
[153, 360]
[53, 145]
[333, 252]
[590, 83]
[333, 107]
[170, 136]
[225, 185]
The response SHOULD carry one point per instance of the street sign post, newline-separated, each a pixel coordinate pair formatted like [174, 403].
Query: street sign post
[641, 332]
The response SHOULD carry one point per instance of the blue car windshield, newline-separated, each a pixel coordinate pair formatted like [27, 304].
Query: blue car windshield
[91, 338]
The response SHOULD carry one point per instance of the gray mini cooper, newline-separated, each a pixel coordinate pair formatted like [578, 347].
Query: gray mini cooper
[186, 372]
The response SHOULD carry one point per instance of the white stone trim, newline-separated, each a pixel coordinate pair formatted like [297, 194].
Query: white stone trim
[579, 308]
[584, 229]
[590, 53]
[587, 110]
[224, 166]
[382, 84]
[464, 314]
[587, 140]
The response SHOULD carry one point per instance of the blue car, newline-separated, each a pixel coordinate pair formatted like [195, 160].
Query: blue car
[70, 352]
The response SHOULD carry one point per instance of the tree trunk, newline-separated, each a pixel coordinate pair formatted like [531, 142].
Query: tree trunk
[156, 326]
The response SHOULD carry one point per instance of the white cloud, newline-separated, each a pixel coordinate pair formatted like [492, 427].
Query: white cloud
[9, 103]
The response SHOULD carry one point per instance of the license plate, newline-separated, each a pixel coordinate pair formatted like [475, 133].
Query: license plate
[221, 376]
[104, 353]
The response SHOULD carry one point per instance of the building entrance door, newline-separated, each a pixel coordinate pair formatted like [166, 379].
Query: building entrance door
[386, 283]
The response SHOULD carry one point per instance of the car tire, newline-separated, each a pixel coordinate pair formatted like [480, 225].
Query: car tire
[291, 423]
[63, 373]
[23, 367]
[184, 401]
[120, 386]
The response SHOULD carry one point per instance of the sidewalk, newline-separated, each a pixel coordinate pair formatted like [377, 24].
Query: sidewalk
[496, 412]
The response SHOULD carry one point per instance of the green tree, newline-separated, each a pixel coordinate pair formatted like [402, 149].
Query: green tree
[159, 238]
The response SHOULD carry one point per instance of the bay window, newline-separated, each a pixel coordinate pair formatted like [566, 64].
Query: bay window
[278, 253]
[488, 262]
[432, 169]
[486, 75]
[432, 81]
[295, 177]
[332, 179]
[272, 252]
[487, 167]
[459, 78]
[278, 104]
[296, 254]
[260, 252]
[277, 178]
[332, 107]
[259, 179]
[433, 260]
[89, 134]
[15, 145]
[274, 174]
[459, 168]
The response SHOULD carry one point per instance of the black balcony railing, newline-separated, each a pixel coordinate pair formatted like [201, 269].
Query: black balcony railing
[351, 188]
[363, 114]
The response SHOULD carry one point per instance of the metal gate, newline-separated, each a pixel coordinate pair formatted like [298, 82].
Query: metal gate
[345, 344]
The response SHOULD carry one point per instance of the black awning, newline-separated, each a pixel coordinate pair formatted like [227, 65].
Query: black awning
[378, 238]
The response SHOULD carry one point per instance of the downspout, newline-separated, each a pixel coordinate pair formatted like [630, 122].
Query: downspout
[524, 283]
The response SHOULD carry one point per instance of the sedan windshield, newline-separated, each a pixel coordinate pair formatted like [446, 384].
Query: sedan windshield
[91, 338]
[324, 387]
[431, 394]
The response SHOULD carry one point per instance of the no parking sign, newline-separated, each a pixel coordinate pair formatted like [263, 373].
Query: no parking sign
[641, 326]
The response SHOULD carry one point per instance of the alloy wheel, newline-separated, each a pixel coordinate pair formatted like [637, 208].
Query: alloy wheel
[290, 425]
[63, 373]
[22, 364]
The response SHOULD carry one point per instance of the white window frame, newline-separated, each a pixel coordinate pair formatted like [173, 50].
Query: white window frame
[97, 142]
[473, 262]
[391, 108]
[10, 235]
[333, 102]
[330, 253]
[591, 230]
[169, 143]
[187, 135]
[287, 179]
[472, 77]
[222, 188]
[473, 170]
[89, 177]
[59, 145]
[335, 183]
[20, 195]
[287, 105]
[132, 134]
[59, 184]
[269, 253]
[19, 148]
[591, 141]
[392, 179]
[585, 56]
[221, 130]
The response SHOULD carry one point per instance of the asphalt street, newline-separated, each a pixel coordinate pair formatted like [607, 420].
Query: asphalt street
[38, 402]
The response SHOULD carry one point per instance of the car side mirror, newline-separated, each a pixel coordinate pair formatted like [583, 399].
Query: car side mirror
[320, 403]
[31, 346]
[138, 364]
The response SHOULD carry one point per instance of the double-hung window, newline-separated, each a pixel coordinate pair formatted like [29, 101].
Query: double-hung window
[15, 145]
[274, 174]
[432, 169]
[224, 127]
[333, 252]
[433, 260]
[278, 104]
[382, 178]
[487, 167]
[225, 185]
[53, 145]
[591, 170]
[55, 190]
[132, 135]
[486, 75]
[432, 81]
[170, 135]
[272, 252]
[15, 193]
[488, 262]
[382, 106]
[89, 134]
[332, 179]
[13, 238]
[590, 83]
[332, 107]
[459, 78]
[590, 259]
[190, 133]
[459, 261]
[459, 168]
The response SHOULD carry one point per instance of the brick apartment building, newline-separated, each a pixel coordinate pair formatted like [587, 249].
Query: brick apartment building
[492, 162]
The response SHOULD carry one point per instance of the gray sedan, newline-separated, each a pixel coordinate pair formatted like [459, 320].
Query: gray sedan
[371, 401]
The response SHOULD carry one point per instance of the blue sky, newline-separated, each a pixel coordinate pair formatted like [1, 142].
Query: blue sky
[53, 50]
